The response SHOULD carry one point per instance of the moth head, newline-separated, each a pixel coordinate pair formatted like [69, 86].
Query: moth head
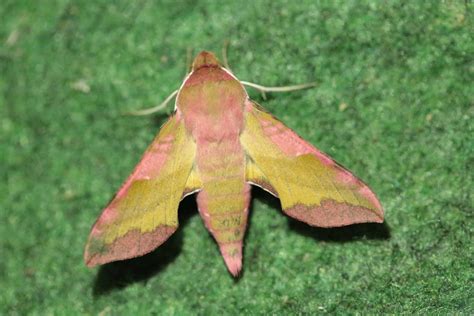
[205, 59]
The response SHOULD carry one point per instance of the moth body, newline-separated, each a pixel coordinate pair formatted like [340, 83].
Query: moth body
[212, 103]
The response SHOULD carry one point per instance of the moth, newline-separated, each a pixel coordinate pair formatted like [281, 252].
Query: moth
[218, 143]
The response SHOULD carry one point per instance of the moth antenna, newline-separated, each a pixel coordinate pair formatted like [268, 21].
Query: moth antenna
[154, 109]
[189, 60]
[225, 61]
[264, 89]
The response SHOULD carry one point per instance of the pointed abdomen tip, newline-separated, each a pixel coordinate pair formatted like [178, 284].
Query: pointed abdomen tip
[234, 265]
[232, 254]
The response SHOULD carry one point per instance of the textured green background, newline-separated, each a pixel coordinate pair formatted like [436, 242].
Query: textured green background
[394, 103]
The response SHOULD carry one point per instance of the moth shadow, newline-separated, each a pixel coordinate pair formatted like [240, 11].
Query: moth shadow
[160, 118]
[372, 231]
[120, 274]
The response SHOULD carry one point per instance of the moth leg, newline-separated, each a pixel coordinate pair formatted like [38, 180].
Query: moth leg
[264, 89]
[154, 109]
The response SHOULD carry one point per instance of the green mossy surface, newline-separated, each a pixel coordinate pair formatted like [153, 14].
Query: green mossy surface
[394, 103]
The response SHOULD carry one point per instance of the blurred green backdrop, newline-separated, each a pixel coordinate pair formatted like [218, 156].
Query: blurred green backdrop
[394, 103]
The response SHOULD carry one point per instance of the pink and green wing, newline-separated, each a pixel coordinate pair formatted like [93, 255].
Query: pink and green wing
[310, 185]
[143, 214]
